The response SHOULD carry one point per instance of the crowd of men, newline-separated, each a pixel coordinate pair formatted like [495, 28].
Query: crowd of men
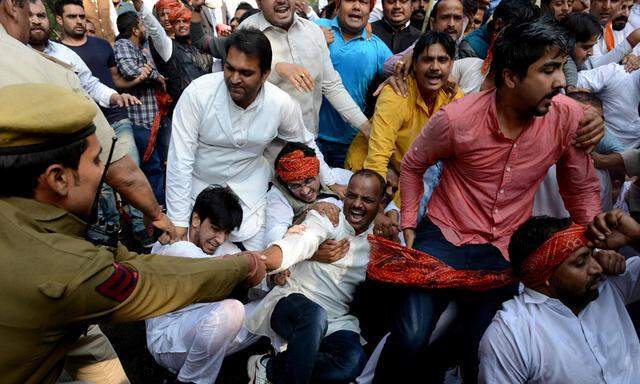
[391, 191]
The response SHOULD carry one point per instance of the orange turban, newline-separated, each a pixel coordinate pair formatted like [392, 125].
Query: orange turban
[541, 264]
[180, 13]
[166, 4]
[295, 166]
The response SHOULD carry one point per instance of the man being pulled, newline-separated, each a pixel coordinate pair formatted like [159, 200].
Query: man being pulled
[54, 283]
[554, 331]
[297, 187]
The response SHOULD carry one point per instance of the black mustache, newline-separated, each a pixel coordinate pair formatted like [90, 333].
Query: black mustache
[551, 95]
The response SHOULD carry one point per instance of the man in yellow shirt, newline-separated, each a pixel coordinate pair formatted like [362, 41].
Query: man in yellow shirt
[397, 121]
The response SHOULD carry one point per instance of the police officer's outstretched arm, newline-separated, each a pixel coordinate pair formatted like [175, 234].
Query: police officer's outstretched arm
[143, 286]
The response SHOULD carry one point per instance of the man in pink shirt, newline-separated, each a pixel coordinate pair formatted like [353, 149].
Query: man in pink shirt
[496, 146]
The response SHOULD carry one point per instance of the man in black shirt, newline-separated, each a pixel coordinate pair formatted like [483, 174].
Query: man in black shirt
[394, 28]
[99, 57]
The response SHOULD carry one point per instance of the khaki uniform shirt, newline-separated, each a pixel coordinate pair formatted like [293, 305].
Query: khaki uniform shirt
[21, 64]
[54, 283]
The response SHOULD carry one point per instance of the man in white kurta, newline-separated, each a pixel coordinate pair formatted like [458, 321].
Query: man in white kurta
[311, 310]
[540, 337]
[193, 341]
[215, 141]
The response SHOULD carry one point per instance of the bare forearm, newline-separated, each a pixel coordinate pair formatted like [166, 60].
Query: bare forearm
[274, 257]
[127, 179]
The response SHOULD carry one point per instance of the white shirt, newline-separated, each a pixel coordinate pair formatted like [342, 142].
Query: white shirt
[619, 92]
[329, 285]
[634, 16]
[601, 56]
[99, 92]
[162, 334]
[304, 44]
[161, 41]
[467, 74]
[537, 339]
[213, 141]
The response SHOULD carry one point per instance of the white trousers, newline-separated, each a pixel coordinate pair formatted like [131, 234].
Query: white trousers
[209, 333]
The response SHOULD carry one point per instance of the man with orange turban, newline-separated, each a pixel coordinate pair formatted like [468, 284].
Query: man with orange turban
[570, 324]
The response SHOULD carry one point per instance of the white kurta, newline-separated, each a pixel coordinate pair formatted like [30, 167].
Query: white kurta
[619, 92]
[163, 332]
[329, 285]
[304, 44]
[213, 141]
[536, 339]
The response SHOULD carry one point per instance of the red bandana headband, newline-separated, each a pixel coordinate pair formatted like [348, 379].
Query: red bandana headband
[295, 166]
[538, 267]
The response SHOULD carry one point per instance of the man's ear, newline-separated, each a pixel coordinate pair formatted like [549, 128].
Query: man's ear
[57, 179]
[58, 20]
[11, 7]
[259, 4]
[195, 220]
[509, 78]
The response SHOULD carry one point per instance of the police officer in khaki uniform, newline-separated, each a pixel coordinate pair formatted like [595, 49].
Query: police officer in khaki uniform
[54, 283]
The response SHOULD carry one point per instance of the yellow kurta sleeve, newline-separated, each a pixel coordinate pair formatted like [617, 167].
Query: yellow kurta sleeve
[387, 120]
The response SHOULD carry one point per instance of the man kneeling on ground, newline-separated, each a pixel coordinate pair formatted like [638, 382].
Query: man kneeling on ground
[193, 341]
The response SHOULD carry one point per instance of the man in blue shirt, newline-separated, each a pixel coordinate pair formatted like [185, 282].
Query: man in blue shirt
[359, 60]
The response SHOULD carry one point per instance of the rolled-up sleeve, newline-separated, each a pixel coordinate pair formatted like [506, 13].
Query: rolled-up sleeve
[434, 143]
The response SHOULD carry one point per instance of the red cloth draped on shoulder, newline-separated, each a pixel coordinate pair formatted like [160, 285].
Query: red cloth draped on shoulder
[393, 263]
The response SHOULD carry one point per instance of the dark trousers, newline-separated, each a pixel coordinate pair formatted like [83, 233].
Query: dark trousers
[310, 356]
[154, 167]
[334, 153]
[418, 310]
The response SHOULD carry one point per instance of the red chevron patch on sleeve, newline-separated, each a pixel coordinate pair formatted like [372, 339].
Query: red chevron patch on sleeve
[120, 284]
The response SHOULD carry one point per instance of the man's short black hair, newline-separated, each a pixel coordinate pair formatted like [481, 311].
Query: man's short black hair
[220, 205]
[364, 172]
[249, 13]
[583, 26]
[61, 3]
[125, 23]
[470, 8]
[20, 173]
[514, 12]
[430, 38]
[520, 45]
[586, 97]
[252, 43]
[434, 10]
[530, 236]
[244, 5]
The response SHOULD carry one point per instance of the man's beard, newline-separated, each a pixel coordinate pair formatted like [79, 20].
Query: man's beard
[39, 40]
[418, 15]
[619, 23]
[571, 300]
